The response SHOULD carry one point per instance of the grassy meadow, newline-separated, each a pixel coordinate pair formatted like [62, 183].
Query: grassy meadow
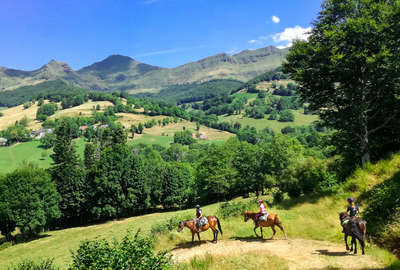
[300, 119]
[303, 218]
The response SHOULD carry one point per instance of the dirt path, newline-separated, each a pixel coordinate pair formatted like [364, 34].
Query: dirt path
[299, 253]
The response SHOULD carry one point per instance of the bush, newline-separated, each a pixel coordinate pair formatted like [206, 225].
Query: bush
[170, 224]
[286, 116]
[233, 209]
[47, 110]
[47, 264]
[184, 137]
[27, 105]
[383, 201]
[133, 252]
[1, 114]
[390, 237]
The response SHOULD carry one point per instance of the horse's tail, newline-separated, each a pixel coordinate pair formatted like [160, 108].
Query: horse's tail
[219, 225]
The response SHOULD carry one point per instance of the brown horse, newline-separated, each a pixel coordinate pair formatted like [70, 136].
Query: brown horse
[271, 221]
[212, 223]
[356, 228]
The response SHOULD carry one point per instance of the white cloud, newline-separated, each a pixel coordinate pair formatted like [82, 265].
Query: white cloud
[252, 41]
[275, 19]
[292, 33]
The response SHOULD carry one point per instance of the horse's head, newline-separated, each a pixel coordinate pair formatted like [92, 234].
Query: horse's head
[181, 224]
[246, 216]
[342, 215]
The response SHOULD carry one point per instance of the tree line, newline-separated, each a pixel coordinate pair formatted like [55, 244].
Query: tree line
[116, 180]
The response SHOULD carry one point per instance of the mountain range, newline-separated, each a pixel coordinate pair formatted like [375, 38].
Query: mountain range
[122, 73]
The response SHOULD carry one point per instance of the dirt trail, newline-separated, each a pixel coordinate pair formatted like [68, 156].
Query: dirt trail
[299, 253]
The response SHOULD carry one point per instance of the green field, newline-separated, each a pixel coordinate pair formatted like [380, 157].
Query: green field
[300, 119]
[12, 156]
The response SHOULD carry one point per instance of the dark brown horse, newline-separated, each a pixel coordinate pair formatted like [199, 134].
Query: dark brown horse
[212, 223]
[354, 227]
[272, 221]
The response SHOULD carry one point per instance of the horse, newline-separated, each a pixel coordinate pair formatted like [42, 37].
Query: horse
[212, 223]
[272, 221]
[356, 228]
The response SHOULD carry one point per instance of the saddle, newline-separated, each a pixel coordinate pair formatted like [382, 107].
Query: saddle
[203, 221]
[263, 217]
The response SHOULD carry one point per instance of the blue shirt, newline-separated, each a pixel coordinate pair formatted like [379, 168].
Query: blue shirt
[353, 210]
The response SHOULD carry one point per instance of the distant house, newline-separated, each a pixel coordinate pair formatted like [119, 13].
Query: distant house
[202, 136]
[3, 141]
[40, 133]
[83, 128]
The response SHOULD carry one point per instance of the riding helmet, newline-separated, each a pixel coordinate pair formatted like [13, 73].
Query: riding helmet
[350, 200]
[260, 200]
[197, 206]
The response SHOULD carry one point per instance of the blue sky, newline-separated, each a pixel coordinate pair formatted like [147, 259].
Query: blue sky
[166, 33]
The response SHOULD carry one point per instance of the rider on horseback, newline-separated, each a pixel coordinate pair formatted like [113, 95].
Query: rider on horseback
[352, 210]
[262, 212]
[199, 215]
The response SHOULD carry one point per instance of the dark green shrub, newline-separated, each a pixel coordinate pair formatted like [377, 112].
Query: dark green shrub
[233, 209]
[170, 224]
[47, 264]
[390, 237]
[383, 200]
[286, 116]
[133, 252]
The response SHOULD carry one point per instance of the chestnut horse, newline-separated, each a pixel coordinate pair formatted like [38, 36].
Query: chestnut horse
[271, 221]
[212, 223]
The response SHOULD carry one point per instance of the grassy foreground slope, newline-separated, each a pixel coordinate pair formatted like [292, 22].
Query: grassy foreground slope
[304, 218]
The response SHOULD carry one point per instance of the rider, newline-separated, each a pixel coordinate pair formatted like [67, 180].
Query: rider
[352, 208]
[199, 215]
[263, 211]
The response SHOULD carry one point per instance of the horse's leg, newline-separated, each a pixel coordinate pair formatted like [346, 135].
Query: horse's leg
[273, 232]
[256, 231]
[216, 235]
[192, 238]
[345, 240]
[262, 235]
[362, 243]
[198, 236]
[282, 229]
[355, 244]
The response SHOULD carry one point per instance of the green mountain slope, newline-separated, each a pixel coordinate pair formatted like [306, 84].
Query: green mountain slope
[122, 73]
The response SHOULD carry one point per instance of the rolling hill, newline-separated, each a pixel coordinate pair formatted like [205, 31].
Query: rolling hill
[122, 73]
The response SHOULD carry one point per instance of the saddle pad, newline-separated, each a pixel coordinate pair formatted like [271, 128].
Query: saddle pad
[345, 222]
[263, 218]
[203, 221]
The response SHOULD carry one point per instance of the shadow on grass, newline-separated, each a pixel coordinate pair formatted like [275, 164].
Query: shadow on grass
[188, 245]
[333, 253]
[290, 203]
[251, 239]
[26, 238]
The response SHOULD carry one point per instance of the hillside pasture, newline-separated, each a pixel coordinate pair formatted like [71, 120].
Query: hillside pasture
[300, 119]
[85, 109]
[12, 156]
[310, 218]
[11, 115]
[172, 128]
